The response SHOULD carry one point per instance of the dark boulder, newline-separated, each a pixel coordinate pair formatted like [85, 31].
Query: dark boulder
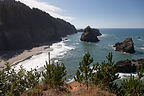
[126, 46]
[90, 35]
[129, 66]
[80, 30]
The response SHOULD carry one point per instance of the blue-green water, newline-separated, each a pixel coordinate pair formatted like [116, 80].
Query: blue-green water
[71, 50]
[100, 49]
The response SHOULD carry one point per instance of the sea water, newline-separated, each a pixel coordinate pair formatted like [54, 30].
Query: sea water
[71, 50]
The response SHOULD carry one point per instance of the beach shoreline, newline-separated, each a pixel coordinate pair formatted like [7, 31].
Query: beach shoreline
[17, 56]
[36, 56]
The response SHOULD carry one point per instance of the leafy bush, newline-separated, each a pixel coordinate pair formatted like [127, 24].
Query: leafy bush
[133, 86]
[140, 71]
[105, 74]
[54, 74]
[84, 73]
[32, 78]
[14, 83]
[100, 74]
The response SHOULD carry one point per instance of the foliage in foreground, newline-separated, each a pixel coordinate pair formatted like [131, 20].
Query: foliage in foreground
[15, 82]
[104, 75]
[133, 86]
[84, 73]
[100, 74]
[54, 74]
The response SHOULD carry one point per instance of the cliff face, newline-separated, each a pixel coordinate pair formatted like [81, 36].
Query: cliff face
[22, 27]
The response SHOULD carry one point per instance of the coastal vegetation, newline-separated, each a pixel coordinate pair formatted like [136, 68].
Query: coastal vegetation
[102, 75]
[22, 27]
[91, 76]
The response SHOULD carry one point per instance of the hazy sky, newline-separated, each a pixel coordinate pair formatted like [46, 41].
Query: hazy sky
[96, 13]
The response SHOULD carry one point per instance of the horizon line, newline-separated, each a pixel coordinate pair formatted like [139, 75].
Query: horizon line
[116, 28]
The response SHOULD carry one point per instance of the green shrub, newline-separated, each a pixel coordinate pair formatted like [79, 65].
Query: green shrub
[105, 74]
[54, 74]
[140, 71]
[84, 73]
[14, 83]
[100, 74]
[32, 78]
[131, 87]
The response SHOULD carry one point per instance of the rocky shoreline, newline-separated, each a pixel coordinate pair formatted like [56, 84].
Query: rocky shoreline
[129, 66]
[21, 55]
[25, 31]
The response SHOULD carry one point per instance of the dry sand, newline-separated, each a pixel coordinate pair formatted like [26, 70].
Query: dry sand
[14, 57]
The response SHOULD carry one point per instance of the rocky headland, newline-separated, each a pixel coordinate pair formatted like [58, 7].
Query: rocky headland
[126, 46]
[22, 27]
[80, 30]
[90, 35]
[129, 66]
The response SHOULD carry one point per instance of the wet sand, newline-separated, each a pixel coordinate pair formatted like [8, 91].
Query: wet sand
[14, 57]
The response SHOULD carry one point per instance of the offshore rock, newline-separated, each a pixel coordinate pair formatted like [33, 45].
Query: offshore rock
[126, 46]
[129, 66]
[90, 35]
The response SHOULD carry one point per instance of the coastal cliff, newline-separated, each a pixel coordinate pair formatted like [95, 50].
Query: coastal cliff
[23, 27]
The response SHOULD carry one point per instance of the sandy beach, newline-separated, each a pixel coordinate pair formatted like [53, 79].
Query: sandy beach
[15, 57]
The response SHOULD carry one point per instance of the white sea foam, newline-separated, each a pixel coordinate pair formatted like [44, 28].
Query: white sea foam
[70, 80]
[121, 75]
[110, 45]
[77, 43]
[38, 61]
[140, 40]
[141, 47]
[104, 35]
[125, 75]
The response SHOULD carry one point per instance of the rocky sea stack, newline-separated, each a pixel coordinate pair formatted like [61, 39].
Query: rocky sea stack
[90, 35]
[126, 46]
[129, 66]
[22, 27]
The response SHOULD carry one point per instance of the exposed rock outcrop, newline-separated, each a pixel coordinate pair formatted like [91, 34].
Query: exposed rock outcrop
[90, 35]
[80, 30]
[129, 66]
[22, 27]
[126, 46]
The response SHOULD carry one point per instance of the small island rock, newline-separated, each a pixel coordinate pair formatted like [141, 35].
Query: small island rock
[126, 46]
[90, 35]
[80, 30]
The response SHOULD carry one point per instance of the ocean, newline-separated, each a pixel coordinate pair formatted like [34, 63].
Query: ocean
[71, 50]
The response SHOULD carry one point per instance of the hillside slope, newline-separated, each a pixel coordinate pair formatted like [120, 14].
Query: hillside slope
[23, 27]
